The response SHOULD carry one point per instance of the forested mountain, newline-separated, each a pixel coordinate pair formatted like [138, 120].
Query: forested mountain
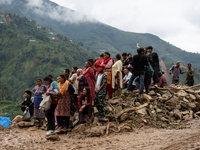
[28, 52]
[96, 36]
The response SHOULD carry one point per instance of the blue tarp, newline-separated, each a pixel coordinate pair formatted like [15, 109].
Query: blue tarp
[5, 121]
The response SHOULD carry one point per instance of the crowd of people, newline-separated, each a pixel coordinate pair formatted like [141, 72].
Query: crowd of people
[84, 89]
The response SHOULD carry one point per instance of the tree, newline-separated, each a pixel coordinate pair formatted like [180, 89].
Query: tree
[4, 87]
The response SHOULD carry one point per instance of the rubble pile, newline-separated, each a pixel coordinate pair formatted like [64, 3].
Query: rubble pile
[169, 107]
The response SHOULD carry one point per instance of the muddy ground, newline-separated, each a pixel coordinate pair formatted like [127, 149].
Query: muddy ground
[143, 138]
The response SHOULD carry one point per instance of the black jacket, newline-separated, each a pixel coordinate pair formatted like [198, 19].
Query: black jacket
[139, 62]
[153, 59]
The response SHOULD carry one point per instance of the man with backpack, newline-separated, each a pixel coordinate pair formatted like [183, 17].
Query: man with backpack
[175, 71]
[139, 64]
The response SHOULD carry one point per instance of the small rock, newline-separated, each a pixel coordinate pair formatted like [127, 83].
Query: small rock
[177, 114]
[152, 93]
[110, 101]
[164, 119]
[137, 104]
[191, 105]
[124, 116]
[198, 113]
[96, 120]
[192, 97]
[53, 137]
[141, 112]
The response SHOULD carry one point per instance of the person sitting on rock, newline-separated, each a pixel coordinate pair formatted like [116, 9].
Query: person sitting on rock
[125, 80]
[28, 103]
[101, 83]
[162, 80]
[85, 105]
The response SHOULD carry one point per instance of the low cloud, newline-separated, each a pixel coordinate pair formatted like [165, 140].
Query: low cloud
[58, 13]
[5, 1]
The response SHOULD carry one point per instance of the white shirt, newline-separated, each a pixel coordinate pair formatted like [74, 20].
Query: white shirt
[73, 78]
[98, 84]
[128, 76]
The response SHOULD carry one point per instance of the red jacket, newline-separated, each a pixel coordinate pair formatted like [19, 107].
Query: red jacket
[97, 63]
[79, 103]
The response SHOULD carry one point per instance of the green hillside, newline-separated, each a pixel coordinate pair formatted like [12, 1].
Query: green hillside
[97, 36]
[28, 52]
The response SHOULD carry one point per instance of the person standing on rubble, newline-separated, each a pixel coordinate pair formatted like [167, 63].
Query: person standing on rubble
[175, 71]
[154, 60]
[190, 76]
[139, 63]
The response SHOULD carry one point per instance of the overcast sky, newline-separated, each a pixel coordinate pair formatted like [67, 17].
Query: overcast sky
[175, 21]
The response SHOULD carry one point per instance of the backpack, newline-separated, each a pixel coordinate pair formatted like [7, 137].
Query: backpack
[149, 70]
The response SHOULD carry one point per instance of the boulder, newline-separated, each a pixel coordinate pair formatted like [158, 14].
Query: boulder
[14, 122]
[192, 97]
[110, 101]
[191, 105]
[25, 124]
[152, 93]
[165, 120]
[95, 131]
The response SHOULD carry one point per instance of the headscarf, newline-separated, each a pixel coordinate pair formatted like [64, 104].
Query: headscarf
[78, 78]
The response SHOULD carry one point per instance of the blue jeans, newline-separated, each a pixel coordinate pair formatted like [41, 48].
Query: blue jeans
[141, 76]
[190, 83]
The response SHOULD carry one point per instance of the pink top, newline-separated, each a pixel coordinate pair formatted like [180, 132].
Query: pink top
[162, 82]
[108, 66]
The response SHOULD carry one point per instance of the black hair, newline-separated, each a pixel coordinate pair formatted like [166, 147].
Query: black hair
[75, 68]
[88, 94]
[62, 76]
[67, 70]
[118, 56]
[107, 53]
[28, 92]
[149, 47]
[101, 56]
[39, 79]
[91, 61]
[48, 78]
[140, 50]
[124, 54]
[190, 64]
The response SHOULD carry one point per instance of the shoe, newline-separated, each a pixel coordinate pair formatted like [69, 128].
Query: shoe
[155, 85]
[49, 132]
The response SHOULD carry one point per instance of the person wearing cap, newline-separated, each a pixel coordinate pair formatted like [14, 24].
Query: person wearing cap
[39, 114]
[175, 71]
[100, 90]
[154, 60]
[190, 76]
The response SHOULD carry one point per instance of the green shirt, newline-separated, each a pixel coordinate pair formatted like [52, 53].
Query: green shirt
[191, 72]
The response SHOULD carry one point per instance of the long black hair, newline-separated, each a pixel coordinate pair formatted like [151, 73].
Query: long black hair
[48, 78]
[63, 77]
[88, 94]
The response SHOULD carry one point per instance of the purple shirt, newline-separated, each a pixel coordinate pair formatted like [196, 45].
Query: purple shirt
[40, 90]
[176, 71]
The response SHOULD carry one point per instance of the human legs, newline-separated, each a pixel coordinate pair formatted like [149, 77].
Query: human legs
[87, 110]
[50, 117]
[134, 75]
[155, 76]
[100, 103]
[141, 76]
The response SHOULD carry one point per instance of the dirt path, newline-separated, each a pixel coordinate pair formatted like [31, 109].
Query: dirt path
[145, 138]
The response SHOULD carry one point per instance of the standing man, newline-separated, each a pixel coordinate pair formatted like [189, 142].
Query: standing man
[100, 90]
[154, 60]
[139, 63]
[126, 78]
[190, 76]
[66, 73]
[74, 99]
[175, 71]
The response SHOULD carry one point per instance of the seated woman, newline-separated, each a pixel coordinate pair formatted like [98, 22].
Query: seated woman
[85, 105]
[81, 81]
[51, 85]
[162, 80]
[39, 114]
[63, 107]
[28, 102]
